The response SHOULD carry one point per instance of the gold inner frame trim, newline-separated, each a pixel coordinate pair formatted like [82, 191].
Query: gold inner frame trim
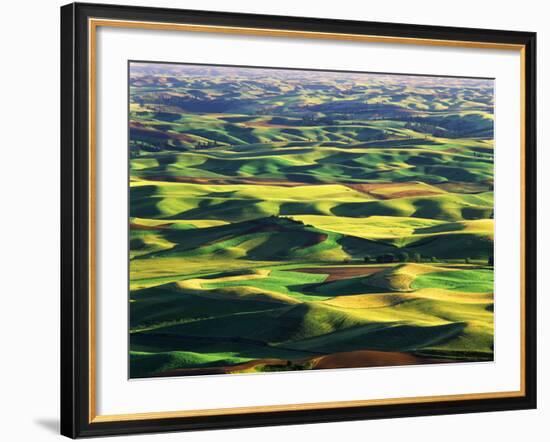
[93, 24]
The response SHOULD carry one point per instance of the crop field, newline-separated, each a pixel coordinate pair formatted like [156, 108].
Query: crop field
[301, 220]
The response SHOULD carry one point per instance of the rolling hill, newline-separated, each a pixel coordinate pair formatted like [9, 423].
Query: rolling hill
[300, 220]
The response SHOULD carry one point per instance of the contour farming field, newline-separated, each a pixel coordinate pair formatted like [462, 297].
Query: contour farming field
[292, 220]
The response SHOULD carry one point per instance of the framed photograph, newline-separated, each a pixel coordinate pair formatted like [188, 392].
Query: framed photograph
[278, 220]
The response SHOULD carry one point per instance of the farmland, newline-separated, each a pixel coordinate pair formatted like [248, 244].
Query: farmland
[296, 220]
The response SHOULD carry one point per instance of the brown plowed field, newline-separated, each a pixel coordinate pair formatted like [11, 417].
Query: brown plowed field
[370, 358]
[350, 359]
[336, 273]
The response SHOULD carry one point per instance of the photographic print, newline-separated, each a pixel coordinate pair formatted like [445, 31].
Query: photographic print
[272, 220]
[287, 219]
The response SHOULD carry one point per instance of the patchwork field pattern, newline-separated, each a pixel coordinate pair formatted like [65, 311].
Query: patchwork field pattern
[294, 220]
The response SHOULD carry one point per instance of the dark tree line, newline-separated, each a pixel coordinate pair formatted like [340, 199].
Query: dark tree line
[388, 258]
[397, 257]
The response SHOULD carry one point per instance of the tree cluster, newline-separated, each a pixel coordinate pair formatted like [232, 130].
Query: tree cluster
[398, 257]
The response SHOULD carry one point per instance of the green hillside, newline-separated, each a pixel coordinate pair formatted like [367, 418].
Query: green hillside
[295, 220]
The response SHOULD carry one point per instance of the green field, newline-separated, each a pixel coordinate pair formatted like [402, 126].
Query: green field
[296, 220]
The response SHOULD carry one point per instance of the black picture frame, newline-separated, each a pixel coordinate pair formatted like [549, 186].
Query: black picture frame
[76, 418]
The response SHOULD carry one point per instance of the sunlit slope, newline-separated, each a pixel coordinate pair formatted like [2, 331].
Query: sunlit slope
[235, 202]
[451, 322]
[441, 207]
[265, 239]
[238, 202]
[189, 130]
[395, 227]
[434, 161]
[291, 220]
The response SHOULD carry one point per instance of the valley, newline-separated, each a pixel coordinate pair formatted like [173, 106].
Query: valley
[295, 220]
